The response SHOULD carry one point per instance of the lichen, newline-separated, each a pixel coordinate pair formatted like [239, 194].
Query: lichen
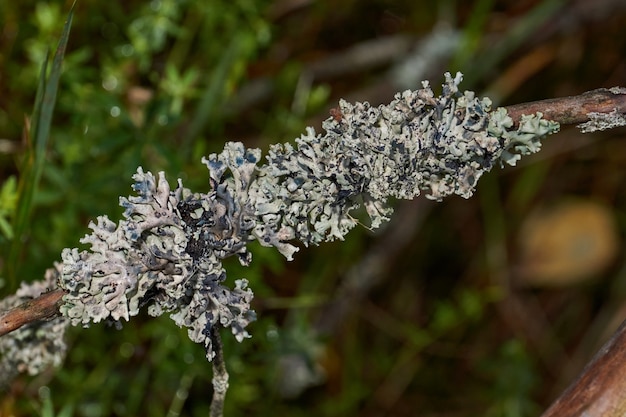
[418, 142]
[603, 121]
[166, 254]
[36, 346]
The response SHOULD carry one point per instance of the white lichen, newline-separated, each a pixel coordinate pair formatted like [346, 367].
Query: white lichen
[165, 255]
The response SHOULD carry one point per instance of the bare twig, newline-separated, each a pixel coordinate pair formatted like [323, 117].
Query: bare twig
[44, 307]
[600, 388]
[574, 109]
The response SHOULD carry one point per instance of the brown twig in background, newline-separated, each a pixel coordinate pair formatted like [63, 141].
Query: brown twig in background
[600, 388]
[44, 307]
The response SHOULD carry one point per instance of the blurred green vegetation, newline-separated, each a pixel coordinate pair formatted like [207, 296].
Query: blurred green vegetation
[447, 327]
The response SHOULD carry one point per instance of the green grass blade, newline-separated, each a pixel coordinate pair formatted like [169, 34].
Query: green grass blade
[39, 95]
[38, 138]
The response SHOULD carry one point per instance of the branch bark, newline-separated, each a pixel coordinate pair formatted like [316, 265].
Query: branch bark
[574, 109]
[600, 390]
[220, 375]
[44, 307]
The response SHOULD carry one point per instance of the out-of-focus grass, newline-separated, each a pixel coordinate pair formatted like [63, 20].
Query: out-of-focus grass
[155, 84]
[37, 135]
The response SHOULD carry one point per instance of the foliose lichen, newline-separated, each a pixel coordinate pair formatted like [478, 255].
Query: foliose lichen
[418, 142]
[165, 255]
[34, 347]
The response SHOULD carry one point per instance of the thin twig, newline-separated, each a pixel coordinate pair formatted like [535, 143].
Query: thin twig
[220, 375]
[574, 109]
[44, 307]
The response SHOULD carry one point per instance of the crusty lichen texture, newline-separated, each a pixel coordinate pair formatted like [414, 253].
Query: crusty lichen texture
[166, 254]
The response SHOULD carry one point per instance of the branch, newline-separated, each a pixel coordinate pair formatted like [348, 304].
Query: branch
[44, 307]
[574, 109]
[220, 375]
[600, 388]
[565, 110]
[419, 142]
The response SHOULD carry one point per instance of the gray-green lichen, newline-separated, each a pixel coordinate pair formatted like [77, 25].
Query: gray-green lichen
[603, 121]
[36, 346]
[419, 142]
[165, 255]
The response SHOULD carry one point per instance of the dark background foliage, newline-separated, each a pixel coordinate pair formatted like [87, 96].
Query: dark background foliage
[486, 306]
